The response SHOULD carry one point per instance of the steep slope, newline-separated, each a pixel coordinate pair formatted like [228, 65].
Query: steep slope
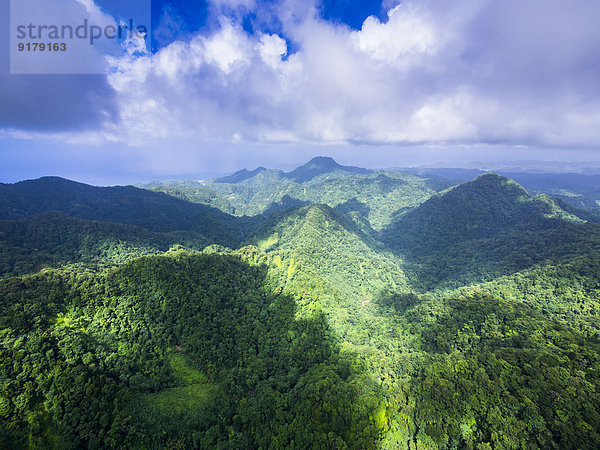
[486, 228]
[478, 209]
[326, 245]
[327, 264]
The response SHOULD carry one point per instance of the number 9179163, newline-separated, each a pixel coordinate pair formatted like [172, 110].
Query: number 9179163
[42, 47]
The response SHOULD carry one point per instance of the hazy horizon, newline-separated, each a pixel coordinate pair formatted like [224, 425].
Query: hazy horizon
[517, 166]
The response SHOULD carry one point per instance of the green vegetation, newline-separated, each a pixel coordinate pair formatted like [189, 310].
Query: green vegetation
[352, 310]
[373, 200]
[193, 191]
[53, 239]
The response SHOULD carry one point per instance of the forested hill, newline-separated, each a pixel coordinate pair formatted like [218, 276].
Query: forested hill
[129, 205]
[478, 209]
[373, 196]
[577, 189]
[52, 221]
[484, 229]
[336, 308]
[240, 175]
[54, 239]
[316, 245]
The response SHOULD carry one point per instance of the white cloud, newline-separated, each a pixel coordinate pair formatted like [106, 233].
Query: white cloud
[444, 119]
[436, 72]
[272, 48]
[227, 48]
[406, 34]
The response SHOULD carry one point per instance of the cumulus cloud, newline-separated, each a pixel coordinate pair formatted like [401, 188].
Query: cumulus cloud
[407, 33]
[439, 72]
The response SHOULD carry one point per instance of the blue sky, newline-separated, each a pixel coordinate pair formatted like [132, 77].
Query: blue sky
[195, 15]
[233, 83]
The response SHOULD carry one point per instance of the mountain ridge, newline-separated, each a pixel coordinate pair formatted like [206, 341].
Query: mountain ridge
[154, 211]
[477, 209]
[240, 175]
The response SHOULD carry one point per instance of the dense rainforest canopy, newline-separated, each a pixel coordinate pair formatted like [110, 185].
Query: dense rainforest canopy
[328, 307]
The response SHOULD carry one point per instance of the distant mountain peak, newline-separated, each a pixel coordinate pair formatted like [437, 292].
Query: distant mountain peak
[240, 175]
[493, 177]
[324, 162]
[495, 184]
[320, 165]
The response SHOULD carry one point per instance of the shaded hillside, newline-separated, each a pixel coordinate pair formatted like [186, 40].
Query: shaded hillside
[54, 239]
[327, 263]
[153, 211]
[150, 210]
[473, 261]
[109, 359]
[484, 229]
[479, 209]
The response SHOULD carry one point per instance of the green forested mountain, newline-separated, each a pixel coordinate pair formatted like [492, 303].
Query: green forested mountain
[486, 228]
[478, 209]
[55, 239]
[154, 211]
[576, 189]
[52, 221]
[338, 309]
[377, 197]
